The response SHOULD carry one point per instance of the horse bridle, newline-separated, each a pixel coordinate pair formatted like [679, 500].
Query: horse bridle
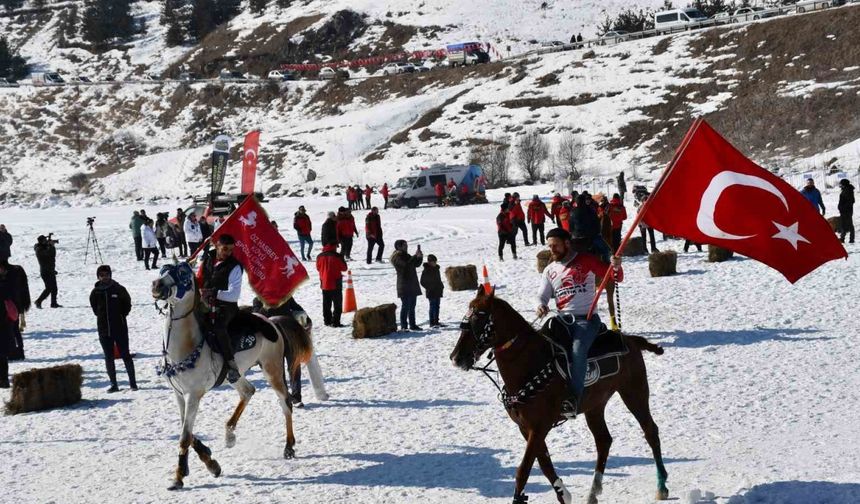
[483, 336]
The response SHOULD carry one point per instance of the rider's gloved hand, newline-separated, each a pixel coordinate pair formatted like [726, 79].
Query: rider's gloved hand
[616, 262]
[542, 310]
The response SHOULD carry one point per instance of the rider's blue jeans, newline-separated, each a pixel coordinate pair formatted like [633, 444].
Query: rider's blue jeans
[586, 333]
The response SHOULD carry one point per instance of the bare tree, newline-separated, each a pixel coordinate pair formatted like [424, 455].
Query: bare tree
[568, 157]
[494, 160]
[532, 152]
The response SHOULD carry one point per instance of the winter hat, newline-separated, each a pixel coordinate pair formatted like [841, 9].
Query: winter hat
[431, 258]
[844, 182]
[504, 206]
[399, 244]
[104, 268]
[558, 233]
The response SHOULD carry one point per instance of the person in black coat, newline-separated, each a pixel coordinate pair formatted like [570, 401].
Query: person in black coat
[622, 185]
[14, 300]
[5, 243]
[329, 230]
[46, 254]
[431, 280]
[111, 305]
[408, 287]
[846, 210]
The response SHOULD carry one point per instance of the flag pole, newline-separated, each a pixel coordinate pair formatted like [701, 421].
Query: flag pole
[671, 166]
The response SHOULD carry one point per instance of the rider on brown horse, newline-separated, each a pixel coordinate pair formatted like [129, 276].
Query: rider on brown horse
[570, 279]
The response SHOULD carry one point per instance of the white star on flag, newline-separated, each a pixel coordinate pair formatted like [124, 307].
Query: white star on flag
[789, 234]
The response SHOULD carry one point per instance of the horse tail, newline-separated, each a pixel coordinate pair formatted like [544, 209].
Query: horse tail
[644, 344]
[298, 338]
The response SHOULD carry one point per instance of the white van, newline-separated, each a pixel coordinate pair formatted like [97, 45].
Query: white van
[419, 186]
[677, 19]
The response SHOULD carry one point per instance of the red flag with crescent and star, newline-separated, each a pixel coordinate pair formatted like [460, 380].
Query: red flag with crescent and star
[249, 161]
[273, 270]
[713, 194]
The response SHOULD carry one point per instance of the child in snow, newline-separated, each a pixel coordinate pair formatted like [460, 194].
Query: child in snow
[431, 280]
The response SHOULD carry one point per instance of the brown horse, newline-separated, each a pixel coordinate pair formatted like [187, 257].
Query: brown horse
[522, 355]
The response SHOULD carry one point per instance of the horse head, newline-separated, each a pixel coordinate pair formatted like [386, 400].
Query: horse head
[174, 283]
[477, 331]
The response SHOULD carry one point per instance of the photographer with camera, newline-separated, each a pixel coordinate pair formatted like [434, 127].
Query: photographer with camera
[46, 254]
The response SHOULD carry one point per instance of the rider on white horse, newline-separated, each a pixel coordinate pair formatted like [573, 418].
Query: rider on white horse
[220, 280]
[570, 279]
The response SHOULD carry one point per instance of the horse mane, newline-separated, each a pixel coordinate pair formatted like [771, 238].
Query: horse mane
[518, 323]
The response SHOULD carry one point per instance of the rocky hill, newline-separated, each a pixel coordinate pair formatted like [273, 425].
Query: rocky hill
[784, 90]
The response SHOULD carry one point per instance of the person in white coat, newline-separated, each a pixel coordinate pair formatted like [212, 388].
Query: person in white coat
[193, 233]
[150, 244]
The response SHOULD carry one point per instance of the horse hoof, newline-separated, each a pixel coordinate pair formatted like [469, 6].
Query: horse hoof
[230, 439]
[289, 453]
[214, 468]
[177, 485]
[323, 397]
[663, 494]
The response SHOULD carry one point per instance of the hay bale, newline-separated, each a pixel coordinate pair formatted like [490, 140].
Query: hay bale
[375, 321]
[462, 278]
[719, 254]
[635, 247]
[834, 224]
[46, 388]
[663, 263]
[544, 257]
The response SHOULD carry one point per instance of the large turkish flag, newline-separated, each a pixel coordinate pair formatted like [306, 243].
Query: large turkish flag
[713, 194]
[273, 270]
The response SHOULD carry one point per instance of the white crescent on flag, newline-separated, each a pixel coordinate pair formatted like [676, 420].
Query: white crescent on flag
[721, 182]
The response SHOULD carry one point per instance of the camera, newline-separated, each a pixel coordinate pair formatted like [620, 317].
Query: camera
[90, 221]
[51, 239]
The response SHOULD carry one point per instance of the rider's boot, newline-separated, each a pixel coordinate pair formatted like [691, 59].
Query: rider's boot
[232, 371]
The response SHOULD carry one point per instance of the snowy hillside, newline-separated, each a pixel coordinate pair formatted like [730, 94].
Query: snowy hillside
[756, 395]
[783, 90]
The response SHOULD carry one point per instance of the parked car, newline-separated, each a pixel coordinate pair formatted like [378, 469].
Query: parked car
[614, 37]
[228, 75]
[419, 186]
[80, 79]
[150, 78]
[47, 79]
[398, 68]
[283, 75]
[751, 14]
[677, 19]
[7, 82]
[329, 73]
[811, 5]
[722, 17]
[552, 43]
[188, 76]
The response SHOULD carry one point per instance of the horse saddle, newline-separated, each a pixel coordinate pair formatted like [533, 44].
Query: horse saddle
[604, 356]
[243, 330]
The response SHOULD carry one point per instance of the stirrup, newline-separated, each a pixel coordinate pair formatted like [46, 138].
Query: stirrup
[568, 408]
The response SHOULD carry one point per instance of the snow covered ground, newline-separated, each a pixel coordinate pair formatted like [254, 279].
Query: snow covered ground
[756, 396]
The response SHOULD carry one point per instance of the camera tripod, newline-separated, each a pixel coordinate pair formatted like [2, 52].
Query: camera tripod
[91, 238]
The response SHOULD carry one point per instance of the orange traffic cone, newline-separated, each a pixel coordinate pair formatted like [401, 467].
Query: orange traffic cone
[487, 287]
[349, 304]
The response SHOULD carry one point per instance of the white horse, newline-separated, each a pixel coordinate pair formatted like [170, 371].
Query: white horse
[192, 368]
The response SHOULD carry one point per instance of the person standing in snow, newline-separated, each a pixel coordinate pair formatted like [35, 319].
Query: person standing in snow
[134, 225]
[180, 233]
[302, 225]
[150, 244]
[846, 210]
[622, 185]
[373, 233]
[617, 214]
[193, 233]
[368, 191]
[14, 300]
[813, 195]
[331, 266]
[518, 218]
[111, 305]
[46, 254]
[384, 193]
[328, 234]
[161, 232]
[537, 214]
[439, 191]
[408, 287]
[506, 232]
[345, 231]
[5, 243]
[431, 280]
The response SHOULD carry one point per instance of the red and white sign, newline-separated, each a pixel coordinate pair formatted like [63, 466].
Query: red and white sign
[249, 161]
[273, 270]
[713, 194]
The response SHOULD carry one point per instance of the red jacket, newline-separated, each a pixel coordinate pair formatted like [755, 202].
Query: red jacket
[372, 226]
[537, 212]
[346, 226]
[617, 213]
[302, 224]
[464, 189]
[451, 184]
[516, 211]
[439, 189]
[563, 218]
[503, 223]
[384, 190]
[368, 191]
[556, 205]
[350, 194]
[331, 266]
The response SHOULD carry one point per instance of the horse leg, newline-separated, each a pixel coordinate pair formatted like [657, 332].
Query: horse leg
[192, 402]
[610, 300]
[548, 470]
[636, 401]
[602, 440]
[534, 445]
[205, 455]
[274, 372]
[315, 372]
[246, 391]
[180, 401]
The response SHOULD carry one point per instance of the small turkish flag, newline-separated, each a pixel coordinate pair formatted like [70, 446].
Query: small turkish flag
[249, 161]
[713, 194]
